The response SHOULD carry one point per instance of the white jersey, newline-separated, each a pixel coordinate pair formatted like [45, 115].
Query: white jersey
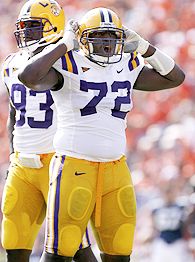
[92, 106]
[35, 111]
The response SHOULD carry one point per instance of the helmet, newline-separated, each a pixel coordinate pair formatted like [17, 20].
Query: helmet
[101, 36]
[40, 23]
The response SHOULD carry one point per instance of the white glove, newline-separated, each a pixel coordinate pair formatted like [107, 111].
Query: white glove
[70, 38]
[134, 42]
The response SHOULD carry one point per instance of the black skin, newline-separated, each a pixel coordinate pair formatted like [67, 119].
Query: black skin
[82, 255]
[21, 255]
[35, 33]
[151, 80]
[39, 74]
[114, 258]
[104, 47]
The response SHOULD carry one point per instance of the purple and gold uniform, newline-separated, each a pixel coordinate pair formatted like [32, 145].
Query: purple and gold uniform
[89, 172]
[26, 187]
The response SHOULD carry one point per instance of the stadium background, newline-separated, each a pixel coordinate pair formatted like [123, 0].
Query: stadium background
[161, 127]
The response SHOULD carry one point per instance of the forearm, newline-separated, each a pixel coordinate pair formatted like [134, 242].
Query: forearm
[38, 74]
[150, 80]
[40, 65]
[164, 65]
[164, 73]
[150, 51]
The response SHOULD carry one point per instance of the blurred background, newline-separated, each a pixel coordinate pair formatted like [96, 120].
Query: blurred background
[161, 127]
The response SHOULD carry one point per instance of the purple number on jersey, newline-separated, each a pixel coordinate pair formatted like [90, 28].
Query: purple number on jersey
[45, 107]
[90, 108]
[18, 97]
[121, 100]
[19, 101]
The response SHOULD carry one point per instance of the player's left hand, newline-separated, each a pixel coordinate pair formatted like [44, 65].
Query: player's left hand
[134, 42]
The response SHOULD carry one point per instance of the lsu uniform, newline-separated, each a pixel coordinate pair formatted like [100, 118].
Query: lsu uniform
[26, 188]
[89, 176]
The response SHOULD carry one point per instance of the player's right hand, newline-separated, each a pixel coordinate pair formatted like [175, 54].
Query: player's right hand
[70, 38]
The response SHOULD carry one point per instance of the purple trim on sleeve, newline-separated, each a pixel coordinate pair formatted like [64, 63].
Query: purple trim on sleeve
[74, 66]
[64, 64]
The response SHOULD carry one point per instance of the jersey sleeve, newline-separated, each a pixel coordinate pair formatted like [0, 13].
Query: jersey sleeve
[135, 65]
[135, 61]
[7, 69]
[67, 64]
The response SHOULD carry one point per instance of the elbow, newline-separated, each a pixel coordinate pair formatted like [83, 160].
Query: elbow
[182, 77]
[178, 77]
[28, 78]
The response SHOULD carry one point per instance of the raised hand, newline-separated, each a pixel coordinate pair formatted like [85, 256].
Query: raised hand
[134, 42]
[69, 37]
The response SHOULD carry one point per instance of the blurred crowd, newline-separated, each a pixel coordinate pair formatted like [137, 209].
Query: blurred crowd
[161, 127]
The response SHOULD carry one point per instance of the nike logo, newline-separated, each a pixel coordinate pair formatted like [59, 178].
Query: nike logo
[44, 5]
[79, 173]
[119, 71]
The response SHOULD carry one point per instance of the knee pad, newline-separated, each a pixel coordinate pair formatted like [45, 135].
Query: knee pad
[70, 239]
[9, 199]
[111, 258]
[9, 228]
[79, 202]
[123, 239]
[127, 202]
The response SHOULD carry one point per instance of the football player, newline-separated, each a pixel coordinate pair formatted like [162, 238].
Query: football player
[92, 89]
[33, 122]
[169, 216]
